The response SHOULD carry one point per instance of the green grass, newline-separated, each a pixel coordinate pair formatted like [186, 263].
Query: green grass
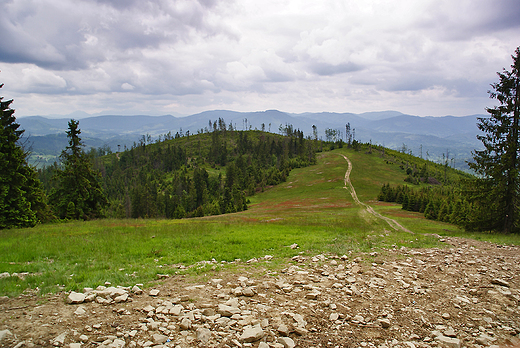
[312, 209]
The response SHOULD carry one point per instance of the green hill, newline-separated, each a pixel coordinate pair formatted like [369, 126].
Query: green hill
[313, 208]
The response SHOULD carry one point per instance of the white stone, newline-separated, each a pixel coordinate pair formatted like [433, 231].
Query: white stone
[118, 343]
[4, 334]
[298, 318]
[287, 342]
[121, 298]
[60, 339]
[227, 311]
[111, 292]
[80, 311]
[148, 309]
[358, 318]
[137, 290]
[450, 333]
[283, 330]
[83, 338]
[248, 292]
[176, 310]
[216, 282]
[252, 333]
[159, 339]
[203, 334]
[91, 297]
[185, 324]
[448, 341]
[333, 316]
[154, 292]
[75, 297]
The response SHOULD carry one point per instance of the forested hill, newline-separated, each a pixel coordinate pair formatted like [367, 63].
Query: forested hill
[428, 137]
[196, 175]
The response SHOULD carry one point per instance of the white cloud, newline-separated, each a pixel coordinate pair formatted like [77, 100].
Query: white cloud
[127, 87]
[421, 57]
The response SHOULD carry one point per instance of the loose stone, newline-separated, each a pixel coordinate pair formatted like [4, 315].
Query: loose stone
[448, 341]
[75, 297]
[385, 323]
[287, 342]
[252, 333]
[203, 335]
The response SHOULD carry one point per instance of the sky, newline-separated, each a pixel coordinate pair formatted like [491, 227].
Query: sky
[181, 57]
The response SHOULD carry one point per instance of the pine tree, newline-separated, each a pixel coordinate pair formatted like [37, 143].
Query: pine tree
[22, 201]
[498, 164]
[79, 194]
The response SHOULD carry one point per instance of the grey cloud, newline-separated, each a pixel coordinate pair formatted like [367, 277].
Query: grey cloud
[52, 37]
[126, 4]
[457, 21]
[505, 15]
[242, 53]
[408, 83]
[326, 69]
[119, 4]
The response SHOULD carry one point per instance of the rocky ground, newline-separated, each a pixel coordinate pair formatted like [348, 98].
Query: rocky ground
[467, 295]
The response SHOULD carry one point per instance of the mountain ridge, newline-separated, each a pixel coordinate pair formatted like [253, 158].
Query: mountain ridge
[437, 135]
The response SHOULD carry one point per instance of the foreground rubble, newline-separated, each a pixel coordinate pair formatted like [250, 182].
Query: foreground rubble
[467, 295]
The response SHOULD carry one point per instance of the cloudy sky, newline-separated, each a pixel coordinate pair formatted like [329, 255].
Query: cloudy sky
[426, 58]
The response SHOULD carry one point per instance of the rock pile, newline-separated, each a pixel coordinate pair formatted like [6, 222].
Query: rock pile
[464, 296]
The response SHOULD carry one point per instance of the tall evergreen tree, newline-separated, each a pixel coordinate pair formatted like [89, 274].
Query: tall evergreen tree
[497, 191]
[22, 201]
[79, 194]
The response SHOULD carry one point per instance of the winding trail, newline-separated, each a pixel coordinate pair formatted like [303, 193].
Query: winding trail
[394, 224]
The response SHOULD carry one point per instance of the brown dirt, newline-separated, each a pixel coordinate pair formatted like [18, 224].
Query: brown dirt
[471, 287]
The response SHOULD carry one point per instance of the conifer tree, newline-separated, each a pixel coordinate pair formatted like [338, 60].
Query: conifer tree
[79, 194]
[497, 192]
[22, 201]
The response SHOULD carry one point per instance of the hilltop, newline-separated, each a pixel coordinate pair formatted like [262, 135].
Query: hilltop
[427, 137]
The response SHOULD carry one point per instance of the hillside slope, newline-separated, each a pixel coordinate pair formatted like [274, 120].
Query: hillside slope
[305, 265]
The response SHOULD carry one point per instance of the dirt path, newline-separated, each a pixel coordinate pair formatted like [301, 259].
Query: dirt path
[394, 224]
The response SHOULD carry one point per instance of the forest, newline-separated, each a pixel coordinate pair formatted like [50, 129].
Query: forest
[187, 175]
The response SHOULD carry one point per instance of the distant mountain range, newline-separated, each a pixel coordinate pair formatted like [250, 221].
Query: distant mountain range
[430, 137]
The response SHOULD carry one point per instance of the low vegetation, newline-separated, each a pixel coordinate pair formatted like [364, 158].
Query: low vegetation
[311, 208]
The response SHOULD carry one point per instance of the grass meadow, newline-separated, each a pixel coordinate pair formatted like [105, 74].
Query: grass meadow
[312, 209]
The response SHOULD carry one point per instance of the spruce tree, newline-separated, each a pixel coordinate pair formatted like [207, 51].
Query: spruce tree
[22, 201]
[498, 165]
[79, 194]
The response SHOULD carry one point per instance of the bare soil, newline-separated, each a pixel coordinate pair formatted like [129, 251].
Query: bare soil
[469, 290]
